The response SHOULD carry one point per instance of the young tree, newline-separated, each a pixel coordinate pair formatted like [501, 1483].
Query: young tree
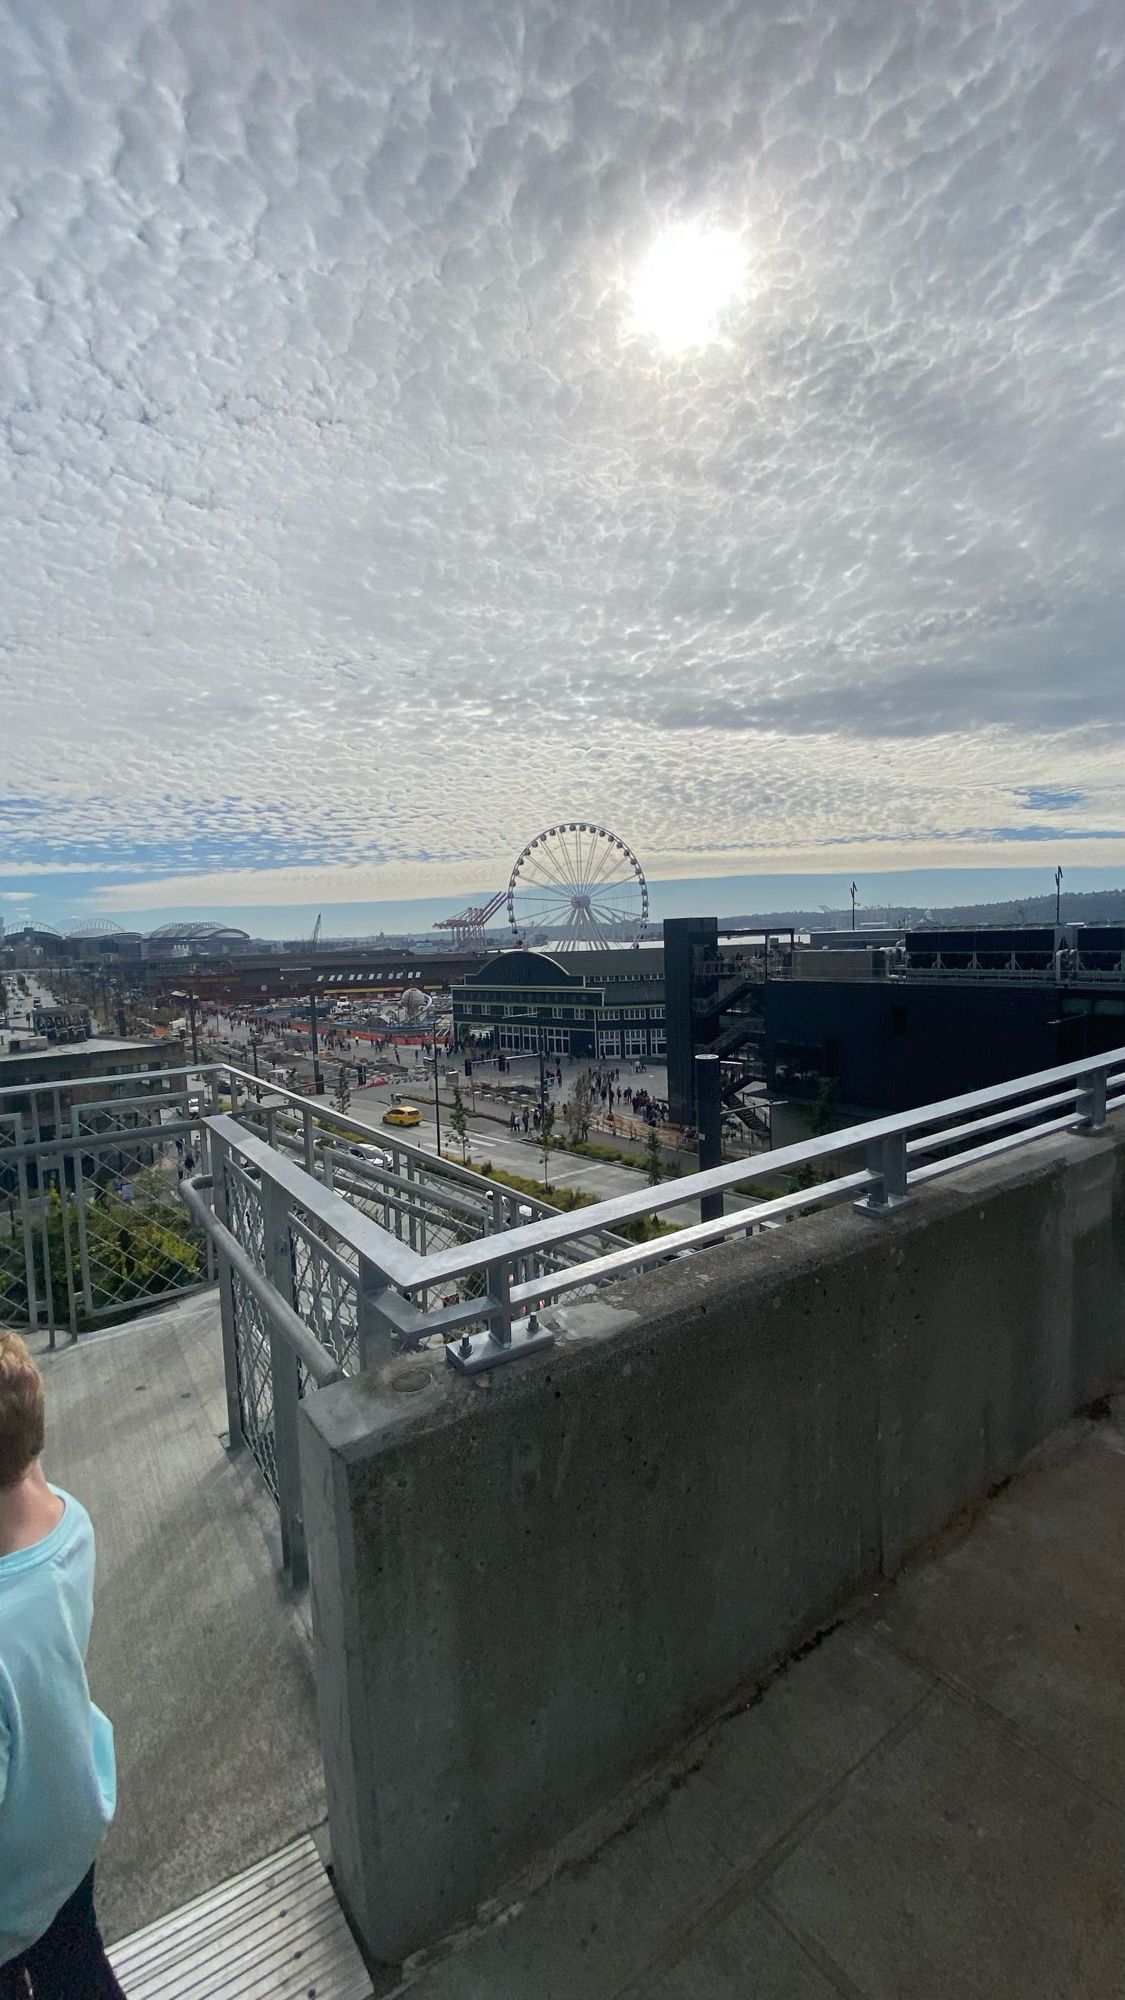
[654, 1167]
[546, 1127]
[580, 1108]
[342, 1096]
[459, 1122]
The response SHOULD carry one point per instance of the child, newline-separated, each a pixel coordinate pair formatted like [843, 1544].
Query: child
[57, 1780]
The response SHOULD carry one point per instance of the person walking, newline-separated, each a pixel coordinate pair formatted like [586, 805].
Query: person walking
[58, 1784]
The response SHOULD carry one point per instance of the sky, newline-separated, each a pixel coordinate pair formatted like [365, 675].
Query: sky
[426, 420]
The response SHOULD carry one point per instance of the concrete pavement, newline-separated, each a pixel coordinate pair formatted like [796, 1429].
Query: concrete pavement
[928, 1805]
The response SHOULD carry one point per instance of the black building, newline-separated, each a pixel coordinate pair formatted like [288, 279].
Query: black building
[891, 1044]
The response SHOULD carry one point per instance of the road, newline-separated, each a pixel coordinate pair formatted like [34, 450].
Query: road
[489, 1136]
[490, 1142]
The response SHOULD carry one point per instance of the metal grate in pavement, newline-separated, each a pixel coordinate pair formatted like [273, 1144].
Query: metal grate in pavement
[275, 1932]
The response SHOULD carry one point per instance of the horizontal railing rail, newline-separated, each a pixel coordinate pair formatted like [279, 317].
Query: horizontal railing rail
[516, 1271]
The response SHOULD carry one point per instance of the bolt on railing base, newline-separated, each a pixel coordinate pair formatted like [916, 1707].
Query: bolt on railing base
[475, 1352]
[893, 1205]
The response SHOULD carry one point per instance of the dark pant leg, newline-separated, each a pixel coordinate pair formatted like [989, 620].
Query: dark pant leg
[68, 1962]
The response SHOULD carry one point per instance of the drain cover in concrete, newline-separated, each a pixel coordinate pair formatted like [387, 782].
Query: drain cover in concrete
[273, 1933]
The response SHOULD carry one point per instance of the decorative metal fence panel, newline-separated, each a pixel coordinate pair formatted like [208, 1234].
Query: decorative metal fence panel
[325, 1284]
[90, 1223]
[246, 1221]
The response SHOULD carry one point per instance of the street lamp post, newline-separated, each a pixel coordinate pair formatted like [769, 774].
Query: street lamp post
[318, 1081]
[189, 1000]
[1058, 895]
[853, 905]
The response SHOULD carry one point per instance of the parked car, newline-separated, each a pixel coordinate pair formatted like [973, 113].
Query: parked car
[402, 1114]
[372, 1154]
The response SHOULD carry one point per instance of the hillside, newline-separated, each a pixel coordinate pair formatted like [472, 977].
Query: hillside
[1093, 906]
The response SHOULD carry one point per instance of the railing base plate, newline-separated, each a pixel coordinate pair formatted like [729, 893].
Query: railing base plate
[880, 1209]
[476, 1352]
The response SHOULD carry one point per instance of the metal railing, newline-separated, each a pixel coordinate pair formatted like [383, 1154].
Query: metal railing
[90, 1224]
[331, 1261]
[309, 1259]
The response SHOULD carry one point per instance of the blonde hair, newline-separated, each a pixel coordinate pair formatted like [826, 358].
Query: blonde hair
[21, 1410]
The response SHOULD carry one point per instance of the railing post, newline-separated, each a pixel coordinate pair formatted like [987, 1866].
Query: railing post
[373, 1331]
[44, 1234]
[887, 1159]
[500, 1304]
[23, 1129]
[235, 1439]
[309, 1138]
[64, 1210]
[285, 1377]
[1091, 1100]
[80, 1210]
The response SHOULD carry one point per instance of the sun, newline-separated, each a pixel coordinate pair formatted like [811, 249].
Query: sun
[682, 286]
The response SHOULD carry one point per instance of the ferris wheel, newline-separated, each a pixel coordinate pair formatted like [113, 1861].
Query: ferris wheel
[578, 885]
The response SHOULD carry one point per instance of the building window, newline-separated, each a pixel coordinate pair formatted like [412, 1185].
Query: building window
[558, 1042]
[656, 1013]
[658, 1045]
[519, 1041]
[636, 1042]
[609, 1045]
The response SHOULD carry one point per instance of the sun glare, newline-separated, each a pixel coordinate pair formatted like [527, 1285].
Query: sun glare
[683, 284]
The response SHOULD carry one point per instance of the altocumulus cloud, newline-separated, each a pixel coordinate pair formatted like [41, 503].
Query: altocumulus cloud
[348, 519]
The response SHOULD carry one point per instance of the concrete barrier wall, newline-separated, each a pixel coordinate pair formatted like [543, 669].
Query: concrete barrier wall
[524, 1589]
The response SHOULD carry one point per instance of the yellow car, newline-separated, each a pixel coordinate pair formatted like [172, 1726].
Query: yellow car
[402, 1114]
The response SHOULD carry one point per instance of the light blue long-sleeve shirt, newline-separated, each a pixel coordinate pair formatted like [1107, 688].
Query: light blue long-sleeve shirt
[58, 1785]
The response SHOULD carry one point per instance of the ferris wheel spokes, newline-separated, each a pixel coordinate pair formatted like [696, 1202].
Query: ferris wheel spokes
[579, 885]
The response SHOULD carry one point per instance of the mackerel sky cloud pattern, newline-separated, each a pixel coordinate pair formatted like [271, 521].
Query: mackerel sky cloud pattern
[353, 526]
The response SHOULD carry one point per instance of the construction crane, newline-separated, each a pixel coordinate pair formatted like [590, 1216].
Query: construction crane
[467, 926]
[315, 938]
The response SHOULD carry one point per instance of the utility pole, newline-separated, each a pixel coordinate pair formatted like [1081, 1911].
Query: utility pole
[1058, 895]
[542, 1073]
[853, 905]
[437, 1099]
